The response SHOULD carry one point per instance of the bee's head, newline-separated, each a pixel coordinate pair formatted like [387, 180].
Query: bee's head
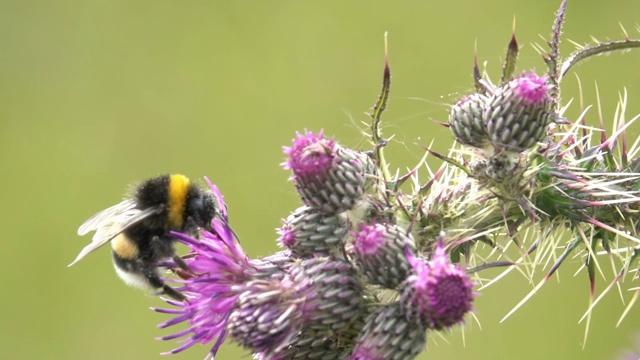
[202, 209]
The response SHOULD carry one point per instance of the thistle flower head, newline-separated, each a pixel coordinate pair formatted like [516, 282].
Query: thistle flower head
[369, 240]
[311, 345]
[310, 156]
[517, 114]
[466, 123]
[223, 266]
[320, 295]
[287, 237]
[307, 232]
[532, 89]
[389, 335]
[379, 252]
[438, 294]
[272, 267]
[332, 293]
[328, 177]
[267, 316]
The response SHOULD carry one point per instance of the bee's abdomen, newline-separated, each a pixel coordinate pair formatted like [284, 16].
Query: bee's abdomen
[149, 245]
[125, 247]
[131, 271]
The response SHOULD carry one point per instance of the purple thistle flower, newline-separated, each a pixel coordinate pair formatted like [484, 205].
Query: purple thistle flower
[287, 237]
[379, 251]
[264, 303]
[222, 269]
[531, 88]
[328, 177]
[310, 156]
[438, 294]
[369, 240]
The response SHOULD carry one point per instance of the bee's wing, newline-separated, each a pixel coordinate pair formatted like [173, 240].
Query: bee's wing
[106, 216]
[109, 223]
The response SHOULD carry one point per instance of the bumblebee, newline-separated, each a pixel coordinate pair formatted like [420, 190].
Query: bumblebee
[138, 229]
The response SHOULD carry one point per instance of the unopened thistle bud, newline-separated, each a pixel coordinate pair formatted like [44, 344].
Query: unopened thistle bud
[438, 294]
[332, 293]
[311, 346]
[389, 335]
[307, 232]
[380, 254]
[328, 177]
[267, 316]
[466, 122]
[518, 113]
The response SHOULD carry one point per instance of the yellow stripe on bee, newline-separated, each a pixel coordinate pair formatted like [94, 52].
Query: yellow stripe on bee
[124, 247]
[178, 190]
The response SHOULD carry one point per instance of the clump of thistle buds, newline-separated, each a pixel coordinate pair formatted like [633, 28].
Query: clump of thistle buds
[321, 296]
[368, 271]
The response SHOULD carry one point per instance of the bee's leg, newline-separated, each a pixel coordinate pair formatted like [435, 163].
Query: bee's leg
[184, 271]
[173, 293]
[184, 275]
[154, 279]
[181, 264]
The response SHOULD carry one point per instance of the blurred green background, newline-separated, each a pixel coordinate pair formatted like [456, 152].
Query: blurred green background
[96, 95]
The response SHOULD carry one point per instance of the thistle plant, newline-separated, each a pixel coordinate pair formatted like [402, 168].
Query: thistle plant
[371, 264]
